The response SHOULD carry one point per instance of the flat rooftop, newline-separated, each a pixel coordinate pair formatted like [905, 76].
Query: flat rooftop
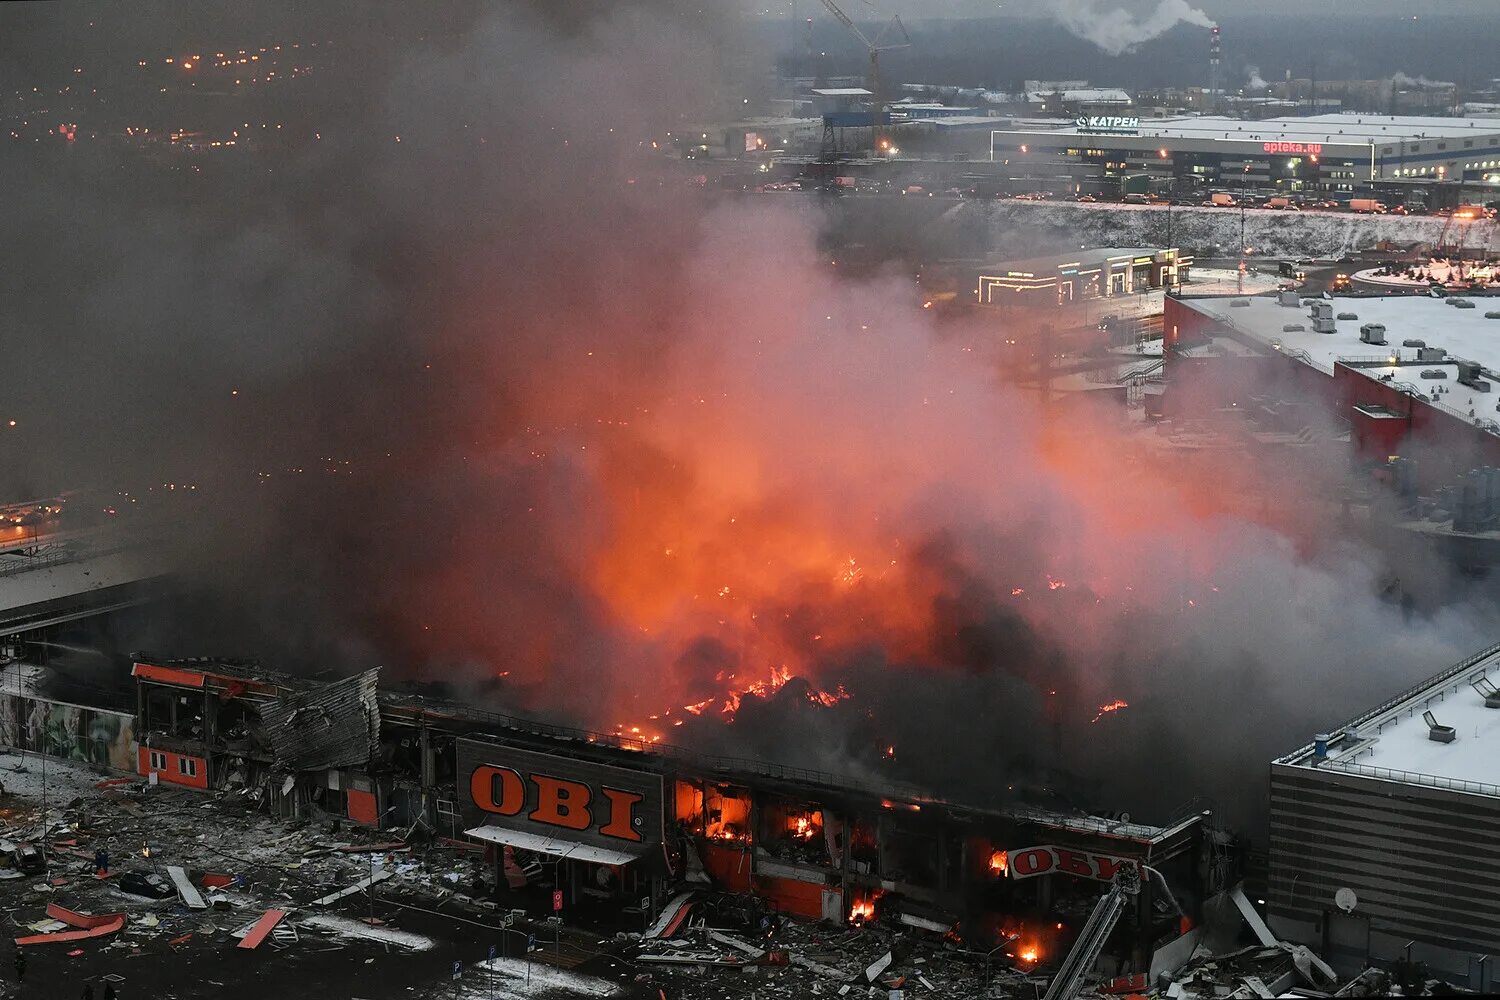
[1464, 333]
[1329, 130]
[1392, 741]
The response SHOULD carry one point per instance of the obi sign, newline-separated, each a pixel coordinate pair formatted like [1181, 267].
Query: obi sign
[1032, 861]
[1303, 148]
[1110, 124]
[558, 797]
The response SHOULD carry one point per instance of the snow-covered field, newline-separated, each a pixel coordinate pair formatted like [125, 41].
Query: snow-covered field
[1026, 227]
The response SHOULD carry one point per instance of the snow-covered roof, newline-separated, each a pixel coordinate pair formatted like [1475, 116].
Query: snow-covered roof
[1393, 742]
[1327, 129]
[843, 92]
[1464, 333]
[1095, 95]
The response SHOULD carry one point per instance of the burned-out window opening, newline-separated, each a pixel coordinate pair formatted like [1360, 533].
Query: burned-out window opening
[403, 755]
[727, 814]
[235, 724]
[910, 856]
[687, 807]
[157, 709]
[864, 847]
[444, 762]
[188, 723]
[795, 831]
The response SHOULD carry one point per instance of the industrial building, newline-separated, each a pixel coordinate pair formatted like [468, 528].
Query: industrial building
[1321, 153]
[1412, 376]
[618, 826]
[1383, 831]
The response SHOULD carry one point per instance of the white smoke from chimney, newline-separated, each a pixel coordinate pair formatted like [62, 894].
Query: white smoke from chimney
[1257, 82]
[1402, 80]
[1117, 27]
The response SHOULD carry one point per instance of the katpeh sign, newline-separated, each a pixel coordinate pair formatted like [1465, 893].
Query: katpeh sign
[1108, 124]
[558, 797]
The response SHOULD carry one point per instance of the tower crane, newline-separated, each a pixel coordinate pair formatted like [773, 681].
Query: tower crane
[874, 47]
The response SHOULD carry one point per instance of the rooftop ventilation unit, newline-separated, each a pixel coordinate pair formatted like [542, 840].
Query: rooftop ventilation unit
[1322, 308]
[1372, 333]
[1293, 328]
[1492, 315]
[1487, 690]
[1434, 373]
[1288, 299]
[1410, 342]
[1437, 733]
[1469, 373]
[1350, 316]
[1431, 353]
[1238, 303]
[1324, 324]
[1462, 304]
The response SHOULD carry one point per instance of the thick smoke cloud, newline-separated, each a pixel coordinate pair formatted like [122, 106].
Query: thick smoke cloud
[515, 404]
[1117, 27]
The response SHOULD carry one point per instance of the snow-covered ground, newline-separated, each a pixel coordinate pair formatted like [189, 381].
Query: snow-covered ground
[348, 927]
[25, 774]
[1440, 271]
[506, 979]
[1025, 227]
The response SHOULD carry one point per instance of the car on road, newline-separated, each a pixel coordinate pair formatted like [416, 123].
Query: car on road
[149, 884]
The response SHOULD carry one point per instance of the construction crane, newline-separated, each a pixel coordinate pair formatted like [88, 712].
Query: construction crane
[874, 47]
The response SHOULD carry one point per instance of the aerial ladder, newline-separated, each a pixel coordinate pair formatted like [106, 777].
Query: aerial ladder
[874, 47]
[1090, 944]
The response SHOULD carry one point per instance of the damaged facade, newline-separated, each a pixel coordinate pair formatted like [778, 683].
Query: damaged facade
[286, 741]
[617, 828]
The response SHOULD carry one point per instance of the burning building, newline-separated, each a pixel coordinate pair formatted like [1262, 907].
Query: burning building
[617, 825]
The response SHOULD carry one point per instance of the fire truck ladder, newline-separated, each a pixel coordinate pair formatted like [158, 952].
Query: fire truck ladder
[1085, 952]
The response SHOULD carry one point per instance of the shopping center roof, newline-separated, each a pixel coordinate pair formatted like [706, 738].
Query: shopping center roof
[1395, 742]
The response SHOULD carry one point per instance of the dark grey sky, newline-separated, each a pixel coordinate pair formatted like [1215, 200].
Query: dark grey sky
[914, 9]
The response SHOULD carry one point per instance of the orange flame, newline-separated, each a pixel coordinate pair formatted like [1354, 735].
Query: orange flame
[999, 862]
[1113, 706]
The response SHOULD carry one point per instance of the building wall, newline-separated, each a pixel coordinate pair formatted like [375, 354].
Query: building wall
[173, 768]
[1444, 444]
[1422, 862]
[70, 732]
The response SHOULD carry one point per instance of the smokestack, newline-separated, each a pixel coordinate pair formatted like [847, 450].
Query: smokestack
[1213, 68]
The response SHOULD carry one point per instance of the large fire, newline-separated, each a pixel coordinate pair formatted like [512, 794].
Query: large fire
[806, 499]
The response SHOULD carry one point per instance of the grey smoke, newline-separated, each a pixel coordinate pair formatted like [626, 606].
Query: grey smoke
[1257, 82]
[488, 330]
[1402, 80]
[1118, 26]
